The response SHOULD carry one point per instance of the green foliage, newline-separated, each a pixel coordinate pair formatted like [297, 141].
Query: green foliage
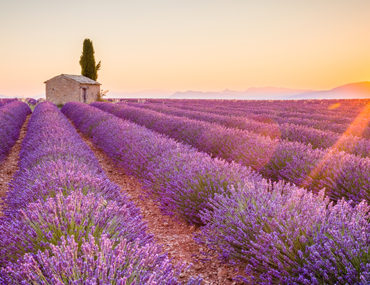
[87, 61]
[101, 94]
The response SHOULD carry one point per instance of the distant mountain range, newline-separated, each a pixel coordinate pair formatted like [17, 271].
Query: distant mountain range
[359, 90]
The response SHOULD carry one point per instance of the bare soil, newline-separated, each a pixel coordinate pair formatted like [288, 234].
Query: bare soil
[175, 236]
[10, 165]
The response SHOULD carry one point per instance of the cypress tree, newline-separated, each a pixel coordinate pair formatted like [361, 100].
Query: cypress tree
[87, 61]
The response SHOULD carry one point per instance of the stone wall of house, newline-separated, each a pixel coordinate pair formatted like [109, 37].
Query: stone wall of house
[61, 90]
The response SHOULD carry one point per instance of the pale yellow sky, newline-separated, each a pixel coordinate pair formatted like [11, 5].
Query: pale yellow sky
[175, 45]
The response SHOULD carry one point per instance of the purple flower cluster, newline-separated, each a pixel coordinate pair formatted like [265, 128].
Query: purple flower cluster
[92, 262]
[31, 101]
[342, 174]
[65, 222]
[281, 233]
[12, 116]
[4, 101]
[182, 178]
[290, 236]
[290, 132]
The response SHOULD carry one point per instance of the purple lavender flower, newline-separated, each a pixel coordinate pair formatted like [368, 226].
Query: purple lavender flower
[290, 236]
[43, 223]
[94, 262]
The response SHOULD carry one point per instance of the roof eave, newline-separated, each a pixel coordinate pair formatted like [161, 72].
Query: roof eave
[65, 76]
[97, 83]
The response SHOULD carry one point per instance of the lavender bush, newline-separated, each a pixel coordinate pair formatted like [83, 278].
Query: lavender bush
[4, 101]
[93, 262]
[12, 117]
[44, 223]
[287, 235]
[31, 101]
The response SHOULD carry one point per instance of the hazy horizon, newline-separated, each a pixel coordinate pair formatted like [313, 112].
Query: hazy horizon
[347, 91]
[186, 45]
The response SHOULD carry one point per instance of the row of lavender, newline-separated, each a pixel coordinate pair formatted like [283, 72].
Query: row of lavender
[325, 109]
[342, 174]
[4, 101]
[336, 112]
[290, 132]
[361, 129]
[282, 233]
[12, 116]
[66, 223]
[296, 112]
[348, 108]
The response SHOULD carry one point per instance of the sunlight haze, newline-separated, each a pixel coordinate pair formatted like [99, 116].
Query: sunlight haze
[170, 46]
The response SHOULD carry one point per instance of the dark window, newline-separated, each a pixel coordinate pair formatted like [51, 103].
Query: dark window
[84, 95]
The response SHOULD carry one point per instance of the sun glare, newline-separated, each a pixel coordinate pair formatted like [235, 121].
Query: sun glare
[334, 106]
[356, 128]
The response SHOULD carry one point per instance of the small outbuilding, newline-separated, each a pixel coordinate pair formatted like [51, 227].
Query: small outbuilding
[71, 88]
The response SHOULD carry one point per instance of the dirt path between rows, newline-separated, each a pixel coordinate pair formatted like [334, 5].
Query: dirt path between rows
[175, 237]
[10, 165]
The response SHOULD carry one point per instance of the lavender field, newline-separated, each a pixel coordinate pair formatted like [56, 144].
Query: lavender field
[278, 191]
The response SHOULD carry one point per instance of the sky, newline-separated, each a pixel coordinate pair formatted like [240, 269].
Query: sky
[171, 45]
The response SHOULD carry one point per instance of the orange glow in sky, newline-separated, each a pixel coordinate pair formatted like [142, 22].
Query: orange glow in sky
[174, 45]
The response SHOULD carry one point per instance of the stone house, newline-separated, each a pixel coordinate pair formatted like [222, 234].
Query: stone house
[71, 88]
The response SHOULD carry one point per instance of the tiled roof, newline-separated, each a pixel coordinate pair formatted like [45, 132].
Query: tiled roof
[79, 78]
